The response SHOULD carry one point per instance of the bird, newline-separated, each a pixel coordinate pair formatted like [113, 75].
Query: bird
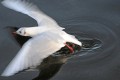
[43, 40]
[50, 65]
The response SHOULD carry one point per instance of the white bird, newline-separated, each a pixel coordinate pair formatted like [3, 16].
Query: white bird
[47, 38]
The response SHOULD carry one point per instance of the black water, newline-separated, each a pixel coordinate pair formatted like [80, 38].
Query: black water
[90, 19]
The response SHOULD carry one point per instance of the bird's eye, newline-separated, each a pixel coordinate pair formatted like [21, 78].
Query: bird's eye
[19, 31]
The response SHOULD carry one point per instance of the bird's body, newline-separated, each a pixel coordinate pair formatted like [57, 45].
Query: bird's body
[47, 38]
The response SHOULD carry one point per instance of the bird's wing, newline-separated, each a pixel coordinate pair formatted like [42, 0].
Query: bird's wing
[31, 10]
[33, 52]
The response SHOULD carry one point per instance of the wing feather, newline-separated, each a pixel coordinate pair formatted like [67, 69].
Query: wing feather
[31, 10]
[33, 52]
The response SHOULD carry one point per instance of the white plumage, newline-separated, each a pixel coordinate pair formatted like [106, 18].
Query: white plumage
[47, 38]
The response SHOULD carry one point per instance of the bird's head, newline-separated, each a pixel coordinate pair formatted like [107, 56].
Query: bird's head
[21, 31]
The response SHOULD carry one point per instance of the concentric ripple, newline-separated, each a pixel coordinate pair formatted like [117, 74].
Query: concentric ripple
[96, 30]
[98, 61]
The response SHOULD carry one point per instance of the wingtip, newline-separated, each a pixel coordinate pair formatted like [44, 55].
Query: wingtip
[4, 1]
[5, 75]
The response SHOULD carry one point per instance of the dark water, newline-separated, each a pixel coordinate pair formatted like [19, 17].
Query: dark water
[86, 19]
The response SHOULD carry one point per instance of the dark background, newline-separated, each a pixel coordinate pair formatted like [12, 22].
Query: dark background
[97, 18]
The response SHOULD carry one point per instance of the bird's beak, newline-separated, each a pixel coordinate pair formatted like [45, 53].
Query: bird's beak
[14, 33]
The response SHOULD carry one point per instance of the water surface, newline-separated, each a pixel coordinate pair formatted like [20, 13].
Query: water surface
[85, 18]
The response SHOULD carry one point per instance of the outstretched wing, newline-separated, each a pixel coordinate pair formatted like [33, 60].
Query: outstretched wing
[31, 10]
[33, 52]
